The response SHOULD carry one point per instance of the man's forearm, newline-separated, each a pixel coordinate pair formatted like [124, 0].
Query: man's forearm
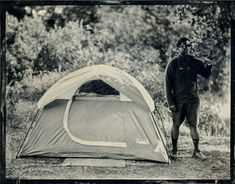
[169, 97]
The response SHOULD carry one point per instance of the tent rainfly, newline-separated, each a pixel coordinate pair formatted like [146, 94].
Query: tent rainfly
[74, 120]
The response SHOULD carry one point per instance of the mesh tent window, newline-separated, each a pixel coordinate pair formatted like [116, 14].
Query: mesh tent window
[96, 87]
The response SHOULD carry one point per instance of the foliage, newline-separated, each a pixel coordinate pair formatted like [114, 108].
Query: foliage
[49, 42]
[214, 116]
[29, 36]
[32, 87]
[118, 29]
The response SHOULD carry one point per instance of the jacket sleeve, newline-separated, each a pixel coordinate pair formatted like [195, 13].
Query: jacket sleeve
[203, 69]
[169, 83]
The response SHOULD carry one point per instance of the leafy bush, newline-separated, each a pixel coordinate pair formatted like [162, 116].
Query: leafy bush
[148, 31]
[35, 86]
[27, 38]
[152, 79]
[132, 38]
[118, 29]
[74, 48]
[211, 122]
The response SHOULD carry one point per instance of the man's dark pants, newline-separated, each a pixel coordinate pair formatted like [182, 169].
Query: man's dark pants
[190, 111]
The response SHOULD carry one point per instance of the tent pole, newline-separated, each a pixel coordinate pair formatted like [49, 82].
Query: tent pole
[17, 155]
[31, 113]
[161, 121]
[162, 125]
[161, 138]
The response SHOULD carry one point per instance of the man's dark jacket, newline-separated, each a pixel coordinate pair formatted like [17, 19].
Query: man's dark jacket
[181, 79]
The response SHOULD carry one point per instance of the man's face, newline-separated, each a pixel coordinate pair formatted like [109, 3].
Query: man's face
[186, 47]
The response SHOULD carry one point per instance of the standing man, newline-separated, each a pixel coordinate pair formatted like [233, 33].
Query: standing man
[182, 95]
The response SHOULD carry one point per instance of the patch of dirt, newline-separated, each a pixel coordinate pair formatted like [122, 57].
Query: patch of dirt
[215, 167]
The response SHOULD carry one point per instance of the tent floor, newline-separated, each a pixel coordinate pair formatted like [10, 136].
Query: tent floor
[93, 162]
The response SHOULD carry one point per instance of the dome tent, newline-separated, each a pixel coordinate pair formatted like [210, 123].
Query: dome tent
[74, 123]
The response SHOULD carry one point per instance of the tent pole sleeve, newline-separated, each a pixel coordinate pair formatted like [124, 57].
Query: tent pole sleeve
[161, 137]
[17, 155]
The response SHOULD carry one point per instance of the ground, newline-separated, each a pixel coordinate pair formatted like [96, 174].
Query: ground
[217, 165]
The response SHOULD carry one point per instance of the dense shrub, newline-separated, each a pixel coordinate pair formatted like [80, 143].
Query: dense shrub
[148, 31]
[152, 79]
[132, 38]
[27, 37]
[212, 122]
[118, 29]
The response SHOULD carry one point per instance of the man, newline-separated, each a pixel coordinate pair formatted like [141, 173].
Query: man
[182, 95]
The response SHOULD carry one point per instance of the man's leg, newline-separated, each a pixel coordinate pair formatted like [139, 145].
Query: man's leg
[178, 118]
[195, 137]
[193, 120]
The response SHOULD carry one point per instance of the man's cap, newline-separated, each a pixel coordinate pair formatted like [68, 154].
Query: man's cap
[183, 41]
